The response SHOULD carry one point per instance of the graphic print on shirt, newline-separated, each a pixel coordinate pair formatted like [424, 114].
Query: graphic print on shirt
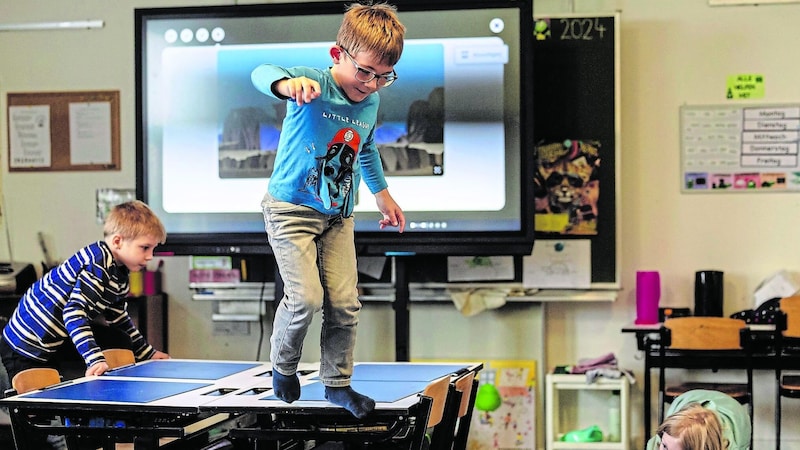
[335, 173]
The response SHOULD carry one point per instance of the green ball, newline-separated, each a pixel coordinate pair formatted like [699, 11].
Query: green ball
[541, 26]
[488, 398]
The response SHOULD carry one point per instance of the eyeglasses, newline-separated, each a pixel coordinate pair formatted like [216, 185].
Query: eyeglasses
[365, 76]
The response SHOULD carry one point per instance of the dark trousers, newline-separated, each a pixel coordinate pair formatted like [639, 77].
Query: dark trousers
[15, 363]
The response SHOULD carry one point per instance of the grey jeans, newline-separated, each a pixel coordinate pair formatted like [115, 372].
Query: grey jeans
[316, 257]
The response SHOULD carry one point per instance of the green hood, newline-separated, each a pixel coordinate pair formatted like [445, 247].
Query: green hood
[732, 415]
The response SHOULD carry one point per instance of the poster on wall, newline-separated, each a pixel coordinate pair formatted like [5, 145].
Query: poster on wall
[567, 187]
[513, 424]
[751, 148]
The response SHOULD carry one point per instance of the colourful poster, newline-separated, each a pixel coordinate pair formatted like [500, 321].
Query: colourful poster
[567, 187]
[513, 424]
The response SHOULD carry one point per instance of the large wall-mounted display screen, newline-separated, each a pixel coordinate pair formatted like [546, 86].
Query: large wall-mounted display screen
[454, 131]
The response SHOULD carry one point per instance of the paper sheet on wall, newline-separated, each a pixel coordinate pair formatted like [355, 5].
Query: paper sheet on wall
[372, 265]
[90, 133]
[29, 136]
[474, 268]
[558, 264]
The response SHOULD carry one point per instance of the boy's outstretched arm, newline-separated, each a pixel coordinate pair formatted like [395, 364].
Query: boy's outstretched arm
[392, 214]
[300, 89]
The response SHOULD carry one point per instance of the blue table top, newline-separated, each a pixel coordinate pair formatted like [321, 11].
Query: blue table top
[403, 372]
[154, 380]
[183, 370]
[112, 390]
[380, 391]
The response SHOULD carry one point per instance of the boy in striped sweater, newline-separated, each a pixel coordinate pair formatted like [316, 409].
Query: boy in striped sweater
[59, 308]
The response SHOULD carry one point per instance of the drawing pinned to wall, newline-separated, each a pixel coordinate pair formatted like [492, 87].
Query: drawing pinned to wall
[567, 187]
[555, 264]
[108, 198]
[473, 268]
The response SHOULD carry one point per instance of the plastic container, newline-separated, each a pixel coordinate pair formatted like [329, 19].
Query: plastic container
[648, 294]
[614, 425]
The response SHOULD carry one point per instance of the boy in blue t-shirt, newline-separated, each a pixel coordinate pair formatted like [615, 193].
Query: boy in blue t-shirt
[327, 143]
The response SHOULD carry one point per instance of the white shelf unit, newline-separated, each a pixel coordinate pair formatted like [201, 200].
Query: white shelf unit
[568, 397]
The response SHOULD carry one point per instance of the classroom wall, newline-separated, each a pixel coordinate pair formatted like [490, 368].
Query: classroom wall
[673, 53]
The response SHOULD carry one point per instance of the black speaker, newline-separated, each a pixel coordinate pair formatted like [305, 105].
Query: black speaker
[708, 293]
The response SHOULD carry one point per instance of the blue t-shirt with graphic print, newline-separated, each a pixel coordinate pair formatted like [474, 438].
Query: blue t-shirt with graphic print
[325, 145]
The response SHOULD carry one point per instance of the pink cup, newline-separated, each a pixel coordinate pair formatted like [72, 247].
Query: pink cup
[648, 293]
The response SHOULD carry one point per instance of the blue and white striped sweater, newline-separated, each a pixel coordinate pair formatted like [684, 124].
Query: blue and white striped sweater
[62, 304]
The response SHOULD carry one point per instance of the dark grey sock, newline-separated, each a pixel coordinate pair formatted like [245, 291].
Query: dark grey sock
[359, 405]
[287, 387]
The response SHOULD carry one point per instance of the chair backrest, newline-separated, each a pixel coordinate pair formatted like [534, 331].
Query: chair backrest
[464, 385]
[437, 391]
[705, 333]
[35, 378]
[118, 357]
[791, 307]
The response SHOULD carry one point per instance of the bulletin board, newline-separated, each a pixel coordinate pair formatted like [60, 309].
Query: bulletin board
[740, 148]
[63, 131]
[577, 131]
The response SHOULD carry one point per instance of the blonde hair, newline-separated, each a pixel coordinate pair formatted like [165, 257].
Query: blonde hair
[697, 428]
[372, 28]
[132, 220]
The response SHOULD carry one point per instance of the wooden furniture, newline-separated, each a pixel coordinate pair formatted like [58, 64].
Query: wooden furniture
[565, 401]
[452, 430]
[186, 399]
[761, 357]
[705, 337]
[787, 384]
[118, 357]
[468, 387]
[437, 391]
[33, 379]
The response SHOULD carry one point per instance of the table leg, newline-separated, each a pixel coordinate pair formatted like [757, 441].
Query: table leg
[646, 399]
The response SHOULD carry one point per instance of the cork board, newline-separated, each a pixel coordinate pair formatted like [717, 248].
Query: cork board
[63, 131]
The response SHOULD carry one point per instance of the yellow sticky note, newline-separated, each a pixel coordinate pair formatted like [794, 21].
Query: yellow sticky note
[745, 86]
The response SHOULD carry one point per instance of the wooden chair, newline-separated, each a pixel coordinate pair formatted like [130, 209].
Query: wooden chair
[30, 380]
[787, 345]
[715, 339]
[36, 378]
[118, 357]
[468, 386]
[437, 391]
[435, 397]
[458, 396]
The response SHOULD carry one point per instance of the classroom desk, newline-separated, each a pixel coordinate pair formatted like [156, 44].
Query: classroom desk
[762, 358]
[185, 399]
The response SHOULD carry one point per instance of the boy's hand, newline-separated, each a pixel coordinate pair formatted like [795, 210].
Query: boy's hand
[392, 214]
[301, 89]
[159, 355]
[97, 369]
